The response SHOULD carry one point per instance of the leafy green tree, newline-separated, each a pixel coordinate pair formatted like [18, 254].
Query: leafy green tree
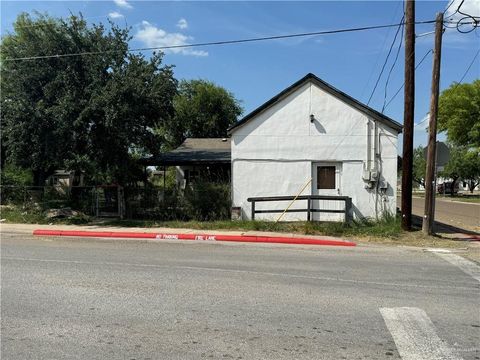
[14, 176]
[13, 183]
[470, 170]
[419, 166]
[459, 114]
[92, 113]
[464, 163]
[202, 109]
[453, 166]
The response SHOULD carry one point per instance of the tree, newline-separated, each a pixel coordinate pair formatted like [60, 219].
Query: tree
[419, 166]
[464, 163]
[459, 114]
[202, 109]
[452, 168]
[470, 170]
[91, 113]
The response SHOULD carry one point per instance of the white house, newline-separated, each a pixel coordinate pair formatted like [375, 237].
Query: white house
[315, 137]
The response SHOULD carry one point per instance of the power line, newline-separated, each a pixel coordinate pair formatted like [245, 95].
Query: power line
[468, 68]
[380, 51]
[214, 43]
[448, 7]
[386, 59]
[424, 34]
[401, 87]
[391, 69]
[421, 61]
[474, 20]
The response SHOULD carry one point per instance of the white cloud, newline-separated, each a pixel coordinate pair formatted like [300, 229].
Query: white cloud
[152, 36]
[453, 38]
[182, 24]
[115, 15]
[123, 4]
[470, 7]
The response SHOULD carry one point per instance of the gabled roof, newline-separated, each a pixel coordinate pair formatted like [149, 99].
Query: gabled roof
[205, 144]
[195, 151]
[327, 88]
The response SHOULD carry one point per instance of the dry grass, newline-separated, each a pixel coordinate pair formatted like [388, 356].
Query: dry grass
[417, 239]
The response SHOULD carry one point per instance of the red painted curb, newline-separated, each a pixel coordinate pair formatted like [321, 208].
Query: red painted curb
[201, 237]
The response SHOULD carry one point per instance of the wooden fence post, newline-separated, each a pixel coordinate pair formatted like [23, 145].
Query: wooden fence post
[348, 210]
[309, 204]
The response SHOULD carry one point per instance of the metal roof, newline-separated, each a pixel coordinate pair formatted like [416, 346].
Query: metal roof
[195, 151]
[329, 89]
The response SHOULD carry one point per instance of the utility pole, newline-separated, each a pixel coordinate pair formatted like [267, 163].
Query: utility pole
[429, 215]
[408, 114]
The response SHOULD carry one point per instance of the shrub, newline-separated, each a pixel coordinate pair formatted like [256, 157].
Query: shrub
[207, 201]
[13, 181]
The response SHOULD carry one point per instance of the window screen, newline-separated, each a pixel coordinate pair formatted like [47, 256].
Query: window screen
[326, 177]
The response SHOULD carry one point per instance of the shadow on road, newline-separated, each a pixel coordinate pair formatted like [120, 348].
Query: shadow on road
[455, 233]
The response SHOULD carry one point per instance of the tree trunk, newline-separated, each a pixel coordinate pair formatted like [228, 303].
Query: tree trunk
[471, 185]
[452, 188]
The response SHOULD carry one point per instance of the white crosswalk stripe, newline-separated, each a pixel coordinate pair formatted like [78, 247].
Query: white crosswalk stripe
[467, 266]
[415, 336]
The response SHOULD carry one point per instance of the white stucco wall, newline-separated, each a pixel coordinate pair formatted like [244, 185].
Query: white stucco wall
[272, 154]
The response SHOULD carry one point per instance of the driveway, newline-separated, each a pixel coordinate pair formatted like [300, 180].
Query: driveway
[110, 299]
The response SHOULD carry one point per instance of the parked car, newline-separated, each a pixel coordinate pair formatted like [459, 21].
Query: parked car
[446, 188]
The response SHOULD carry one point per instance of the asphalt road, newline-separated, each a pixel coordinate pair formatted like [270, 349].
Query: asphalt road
[99, 299]
[455, 213]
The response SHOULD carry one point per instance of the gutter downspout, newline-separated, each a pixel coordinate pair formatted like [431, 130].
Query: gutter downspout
[369, 146]
[375, 144]
[375, 166]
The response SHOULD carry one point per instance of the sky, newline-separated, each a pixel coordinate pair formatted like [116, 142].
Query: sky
[255, 72]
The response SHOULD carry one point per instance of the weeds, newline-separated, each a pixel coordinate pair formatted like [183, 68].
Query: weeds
[387, 227]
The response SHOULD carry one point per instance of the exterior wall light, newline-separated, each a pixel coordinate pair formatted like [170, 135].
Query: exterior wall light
[312, 118]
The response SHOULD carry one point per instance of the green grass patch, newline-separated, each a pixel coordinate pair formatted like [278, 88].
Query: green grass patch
[19, 215]
[386, 227]
[23, 216]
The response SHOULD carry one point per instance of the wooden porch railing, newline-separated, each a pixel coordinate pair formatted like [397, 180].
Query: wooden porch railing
[347, 209]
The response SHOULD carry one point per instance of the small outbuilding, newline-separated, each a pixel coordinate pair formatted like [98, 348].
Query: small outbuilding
[313, 139]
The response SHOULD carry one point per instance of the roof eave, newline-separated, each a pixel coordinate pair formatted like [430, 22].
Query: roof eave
[328, 88]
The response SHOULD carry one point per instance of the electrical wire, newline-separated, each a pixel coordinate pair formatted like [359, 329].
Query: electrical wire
[386, 59]
[391, 69]
[448, 7]
[474, 20]
[453, 14]
[215, 43]
[468, 68]
[421, 61]
[466, 16]
[380, 51]
[401, 87]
